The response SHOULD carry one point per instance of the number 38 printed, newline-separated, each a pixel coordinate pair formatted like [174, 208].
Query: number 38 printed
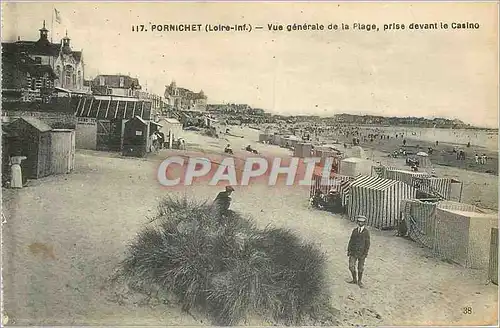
[467, 310]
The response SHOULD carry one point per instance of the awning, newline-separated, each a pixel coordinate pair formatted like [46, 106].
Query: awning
[111, 109]
[62, 90]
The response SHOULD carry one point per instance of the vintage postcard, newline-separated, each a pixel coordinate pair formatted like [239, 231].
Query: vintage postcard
[249, 163]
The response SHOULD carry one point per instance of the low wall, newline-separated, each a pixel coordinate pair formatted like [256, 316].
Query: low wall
[57, 120]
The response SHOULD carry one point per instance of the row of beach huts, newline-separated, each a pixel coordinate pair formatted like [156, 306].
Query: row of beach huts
[430, 206]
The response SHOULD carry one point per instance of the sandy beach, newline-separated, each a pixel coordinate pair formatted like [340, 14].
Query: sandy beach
[65, 235]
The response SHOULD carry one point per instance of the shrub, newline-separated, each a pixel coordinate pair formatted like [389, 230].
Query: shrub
[225, 266]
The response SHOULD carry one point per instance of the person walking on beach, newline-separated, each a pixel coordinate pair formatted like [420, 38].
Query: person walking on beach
[483, 159]
[357, 250]
[476, 158]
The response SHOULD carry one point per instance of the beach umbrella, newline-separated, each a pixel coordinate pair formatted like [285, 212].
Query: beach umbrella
[422, 154]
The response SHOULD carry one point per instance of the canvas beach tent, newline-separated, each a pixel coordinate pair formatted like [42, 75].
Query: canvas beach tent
[378, 199]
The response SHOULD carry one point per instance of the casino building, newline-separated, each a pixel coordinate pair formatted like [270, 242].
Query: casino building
[67, 65]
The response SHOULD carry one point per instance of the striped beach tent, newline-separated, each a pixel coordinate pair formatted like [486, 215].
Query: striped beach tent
[423, 182]
[378, 199]
[335, 181]
[344, 190]
[404, 176]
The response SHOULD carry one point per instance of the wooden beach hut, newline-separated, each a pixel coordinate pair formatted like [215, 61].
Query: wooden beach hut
[303, 150]
[31, 137]
[135, 137]
[378, 199]
[172, 129]
[63, 150]
[265, 137]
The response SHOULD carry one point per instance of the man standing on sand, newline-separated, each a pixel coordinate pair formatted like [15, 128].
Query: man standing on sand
[357, 250]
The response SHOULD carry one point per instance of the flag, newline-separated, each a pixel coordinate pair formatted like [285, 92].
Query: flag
[57, 16]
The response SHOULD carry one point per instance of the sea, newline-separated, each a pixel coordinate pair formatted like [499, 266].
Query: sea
[481, 138]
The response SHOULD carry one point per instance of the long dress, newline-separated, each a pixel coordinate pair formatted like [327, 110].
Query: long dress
[16, 180]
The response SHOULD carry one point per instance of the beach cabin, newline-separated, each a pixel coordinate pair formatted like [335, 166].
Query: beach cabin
[464, 236]
[325, 152]
[303, 150]
[30, 137]
[378, 199]
[135, 137]
[265, 137]
[325, 183]
[63, 150]
[171, 128]
[455, 231]
[276, 139]
[290, 141]
[355, 166]
[427, 185]
[357, 152]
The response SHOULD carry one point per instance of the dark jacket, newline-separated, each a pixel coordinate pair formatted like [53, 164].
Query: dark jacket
[223, 201]
[359, 243]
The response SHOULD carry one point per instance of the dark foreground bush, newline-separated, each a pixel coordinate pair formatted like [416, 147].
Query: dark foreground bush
[226, 267]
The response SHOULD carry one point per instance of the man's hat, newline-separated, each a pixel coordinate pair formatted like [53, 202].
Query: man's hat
[361, 218]
[229, 188]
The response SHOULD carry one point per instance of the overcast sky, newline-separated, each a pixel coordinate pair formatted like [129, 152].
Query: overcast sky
[448, 73]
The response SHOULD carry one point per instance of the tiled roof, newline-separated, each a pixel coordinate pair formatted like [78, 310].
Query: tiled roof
[111, 109]
[37, 48]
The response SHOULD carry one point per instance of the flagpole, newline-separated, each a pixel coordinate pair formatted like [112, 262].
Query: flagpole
[52, 25]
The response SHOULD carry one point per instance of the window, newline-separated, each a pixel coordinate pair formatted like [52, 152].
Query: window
[38, 60]
[109, 91]
[68, 78]
[101, 80]
[58, 71]
[122, 81]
